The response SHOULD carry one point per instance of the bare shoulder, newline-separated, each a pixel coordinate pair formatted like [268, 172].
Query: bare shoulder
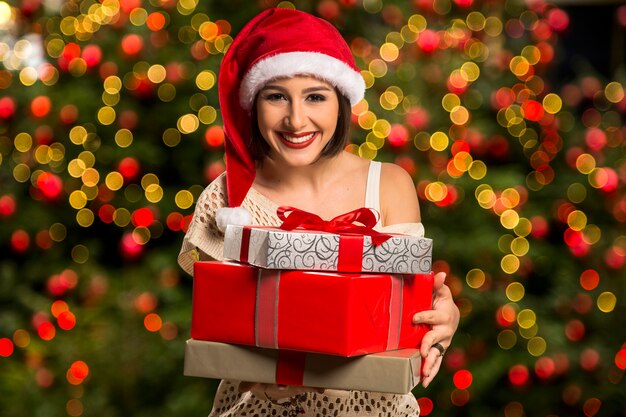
[398, 197]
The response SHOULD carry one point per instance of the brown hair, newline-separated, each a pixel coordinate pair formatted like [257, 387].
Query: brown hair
[259, 149]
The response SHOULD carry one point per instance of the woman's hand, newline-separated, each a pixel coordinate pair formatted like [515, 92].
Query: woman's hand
[274, 393]
[444, 319]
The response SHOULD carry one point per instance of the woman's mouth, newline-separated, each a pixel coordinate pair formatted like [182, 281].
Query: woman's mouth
[297, 140]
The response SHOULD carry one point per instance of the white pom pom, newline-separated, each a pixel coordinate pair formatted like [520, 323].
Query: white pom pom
[232, 215]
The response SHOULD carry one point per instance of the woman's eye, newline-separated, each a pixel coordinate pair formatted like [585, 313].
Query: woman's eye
[275, 97]
[316, 97]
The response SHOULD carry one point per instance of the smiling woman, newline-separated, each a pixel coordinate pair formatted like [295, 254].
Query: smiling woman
[285, 99]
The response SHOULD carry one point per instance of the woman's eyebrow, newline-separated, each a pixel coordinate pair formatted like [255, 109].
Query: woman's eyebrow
[306, 90]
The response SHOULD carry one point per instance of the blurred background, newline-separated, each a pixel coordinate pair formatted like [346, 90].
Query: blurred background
[508, 115]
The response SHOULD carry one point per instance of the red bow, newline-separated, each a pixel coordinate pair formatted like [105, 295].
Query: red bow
[294, 218]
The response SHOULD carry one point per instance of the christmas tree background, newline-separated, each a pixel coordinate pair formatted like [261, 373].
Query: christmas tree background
[110, 129]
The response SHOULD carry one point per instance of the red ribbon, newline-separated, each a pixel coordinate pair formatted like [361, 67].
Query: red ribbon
[294, 218]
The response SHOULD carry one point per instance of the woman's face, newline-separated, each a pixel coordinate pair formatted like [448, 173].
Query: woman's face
[297, 117]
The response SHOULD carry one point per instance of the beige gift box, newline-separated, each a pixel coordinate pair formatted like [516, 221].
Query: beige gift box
[394, 372]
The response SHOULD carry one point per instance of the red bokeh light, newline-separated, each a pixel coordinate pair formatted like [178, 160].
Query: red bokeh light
[426, 406]
[533, 110]
[545, 367]
[7, 107]
[174, 221]
[79, 370]
[66, 320]
[428, 41]
[152, 322]
[589, 279]
[620, 359]
[132, 44]
[418, 117]
[7, 206]
[6, 347]
[68, 114]
[518, 375]
[50, 185]
[46, 330]
[398, 136]
[92, 54]
[130, 249]
[589, 359]
[214, 136]
[129, 168]
[106, 213]
[40, 106]
[575, 330]
[155, 21]
[558, 19]
[145, 302]
[20, 241]
[462, 379]
[142, 217]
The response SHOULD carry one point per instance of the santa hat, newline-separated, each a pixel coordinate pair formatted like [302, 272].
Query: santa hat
[276, 43]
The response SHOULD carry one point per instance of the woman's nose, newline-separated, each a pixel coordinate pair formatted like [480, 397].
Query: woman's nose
[296, 118]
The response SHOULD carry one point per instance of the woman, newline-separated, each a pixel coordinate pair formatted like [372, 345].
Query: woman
[286, 85]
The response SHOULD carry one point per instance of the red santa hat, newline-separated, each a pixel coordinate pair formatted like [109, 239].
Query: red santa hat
[276, 43]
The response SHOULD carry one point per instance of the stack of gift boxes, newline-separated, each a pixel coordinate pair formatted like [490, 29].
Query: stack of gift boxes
[309, 308]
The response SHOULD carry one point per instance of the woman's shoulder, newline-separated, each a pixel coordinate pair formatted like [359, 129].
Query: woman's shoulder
[398, 195]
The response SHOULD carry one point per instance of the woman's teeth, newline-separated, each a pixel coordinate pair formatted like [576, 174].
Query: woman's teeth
[297, 139]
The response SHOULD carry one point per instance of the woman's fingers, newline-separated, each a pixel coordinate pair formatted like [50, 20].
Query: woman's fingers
[432, 363]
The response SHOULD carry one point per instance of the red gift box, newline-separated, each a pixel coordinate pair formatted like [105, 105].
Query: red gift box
[332, 313]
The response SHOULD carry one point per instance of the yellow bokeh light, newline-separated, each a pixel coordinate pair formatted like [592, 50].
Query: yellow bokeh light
[470, 71]
[592, 234]
[510, 198]
[477, 170]
[85, 217]
[389, 52]
[205, 80]
[515, 291]
[78, 199]
[58, 232]
[577, 220]
[389, 100]
[459, 115]
[114, 180]
[123, 138]
[184, 199]
[417, 23]
[21, 172]
[378, 68]
[519, 66]
[523, 228]
[509, 218]
[106, 115]
[526, 319]
[367, 150]
[207, 115]
[154, 193]
[537, 346]
[576, 192]
[157, 73]
[439, 141]
[121, 217]
[450, 101]
[171, 137]
[23, 142]
[493, 26]
[112, 84]
[520, 246]
[188, 123]
[381, 128]
[436, 191]
[475, 278]
[532, 54]
[614, 92]
[606, 302]
[507, 339]
[78, 135]
[166, 92]
[486, 198]
[367, 120]
[90, 177]
[585, 163]
[552, 103]
[510, 264]
[475, 21]
[141, 235]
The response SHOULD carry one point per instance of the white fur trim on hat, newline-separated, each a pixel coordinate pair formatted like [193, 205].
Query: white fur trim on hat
[289, 64]
[232, 215]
